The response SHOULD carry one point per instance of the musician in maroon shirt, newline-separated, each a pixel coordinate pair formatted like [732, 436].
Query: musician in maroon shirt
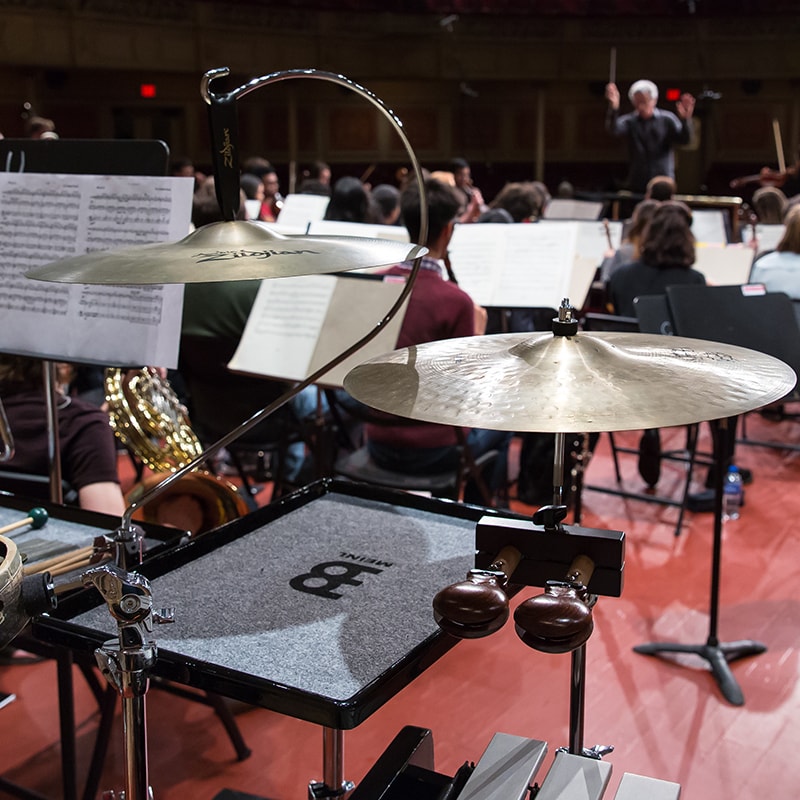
[437, 310]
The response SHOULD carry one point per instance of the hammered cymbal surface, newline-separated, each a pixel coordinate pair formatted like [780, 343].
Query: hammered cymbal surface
[592, 381]
[227, 251]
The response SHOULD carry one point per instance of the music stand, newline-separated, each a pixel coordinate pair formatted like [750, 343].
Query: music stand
[77, 157]
[85, 156]
[732, 315]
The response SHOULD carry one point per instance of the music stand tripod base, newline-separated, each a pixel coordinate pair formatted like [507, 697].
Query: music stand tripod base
[718, 655]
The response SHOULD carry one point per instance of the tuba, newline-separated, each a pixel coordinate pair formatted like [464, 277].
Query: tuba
[150, 421]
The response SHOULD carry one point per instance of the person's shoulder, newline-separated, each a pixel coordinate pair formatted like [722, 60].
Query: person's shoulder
[626, 268]
[768, 258]
[82, 412]
[667, 114]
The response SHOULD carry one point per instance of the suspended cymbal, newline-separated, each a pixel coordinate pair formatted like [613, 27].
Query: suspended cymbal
[583, 383]
[227, 251]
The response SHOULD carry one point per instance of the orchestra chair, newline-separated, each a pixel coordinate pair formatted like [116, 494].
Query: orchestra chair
[649, 451]
[519, 319]
[355, 463]
[746, 316]
[220, 400]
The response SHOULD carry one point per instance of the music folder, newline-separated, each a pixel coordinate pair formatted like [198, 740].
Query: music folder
[299, 324]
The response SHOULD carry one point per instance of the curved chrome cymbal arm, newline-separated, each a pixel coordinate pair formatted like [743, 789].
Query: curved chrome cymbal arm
[224, 129]
[226, 102]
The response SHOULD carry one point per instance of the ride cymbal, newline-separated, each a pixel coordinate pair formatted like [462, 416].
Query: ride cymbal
[592, 381]
[227, 251]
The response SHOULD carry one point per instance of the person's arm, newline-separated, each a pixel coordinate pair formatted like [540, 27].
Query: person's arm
[612, 123]
[481, 317]
[685, 110]
[105, 497]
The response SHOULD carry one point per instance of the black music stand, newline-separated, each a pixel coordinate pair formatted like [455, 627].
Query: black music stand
[728, 314]
[74, 157]
[85, 156]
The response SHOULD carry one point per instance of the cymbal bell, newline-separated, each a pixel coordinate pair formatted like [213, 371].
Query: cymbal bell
[592, 381]
[227, 251]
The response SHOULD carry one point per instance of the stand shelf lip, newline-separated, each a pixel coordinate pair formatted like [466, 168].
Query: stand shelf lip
[330, 711]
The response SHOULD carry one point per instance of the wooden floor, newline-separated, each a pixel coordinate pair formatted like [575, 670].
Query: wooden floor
[665, 718]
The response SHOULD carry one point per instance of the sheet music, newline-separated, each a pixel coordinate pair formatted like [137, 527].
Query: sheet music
[563, 208]
[329, 227]
[48, 217]
[297, 325]
[299, 210]
[708, 226]
[515, 265]
[592, 241]
[767, 236]
[283, 327]
[724, 266]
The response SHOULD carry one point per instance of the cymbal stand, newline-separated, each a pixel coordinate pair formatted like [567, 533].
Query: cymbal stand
[577, 697]
[126, 661]
[567, 561]
[569, 591]
[717, 654]
[551, 518]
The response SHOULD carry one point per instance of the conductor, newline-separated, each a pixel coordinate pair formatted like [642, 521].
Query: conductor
[651, 132]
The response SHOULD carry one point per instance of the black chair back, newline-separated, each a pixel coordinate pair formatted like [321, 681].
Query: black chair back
[652, 313]
[744, 316]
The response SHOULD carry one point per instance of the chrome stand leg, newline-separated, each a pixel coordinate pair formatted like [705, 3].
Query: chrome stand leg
[126, 663]
[333, 783]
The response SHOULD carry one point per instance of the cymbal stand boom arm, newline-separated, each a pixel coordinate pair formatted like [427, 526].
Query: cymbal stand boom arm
[214, 101]
[127, 661]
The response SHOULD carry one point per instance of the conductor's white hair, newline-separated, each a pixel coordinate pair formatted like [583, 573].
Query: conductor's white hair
[645, 87]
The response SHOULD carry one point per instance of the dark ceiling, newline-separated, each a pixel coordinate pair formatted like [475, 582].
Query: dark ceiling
[551, 8]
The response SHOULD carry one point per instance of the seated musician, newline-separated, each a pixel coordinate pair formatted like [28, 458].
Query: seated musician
[86, 442]
[214, 318]
[769, 204]
[631, 241]
[667, 252]
[787, 180]
[437, 310]
[779, 270]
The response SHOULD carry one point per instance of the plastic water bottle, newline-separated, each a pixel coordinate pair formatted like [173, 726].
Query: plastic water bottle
[732, 493]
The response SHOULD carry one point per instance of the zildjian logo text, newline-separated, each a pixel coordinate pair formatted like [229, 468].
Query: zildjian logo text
[227, 255]
[227, 149]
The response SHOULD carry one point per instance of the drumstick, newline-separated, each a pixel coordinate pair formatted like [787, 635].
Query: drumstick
[36, 518]
[57, 561]
[73, 565]
[612, 67]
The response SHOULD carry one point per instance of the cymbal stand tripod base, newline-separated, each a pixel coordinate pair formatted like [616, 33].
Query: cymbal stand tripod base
[716, 653]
